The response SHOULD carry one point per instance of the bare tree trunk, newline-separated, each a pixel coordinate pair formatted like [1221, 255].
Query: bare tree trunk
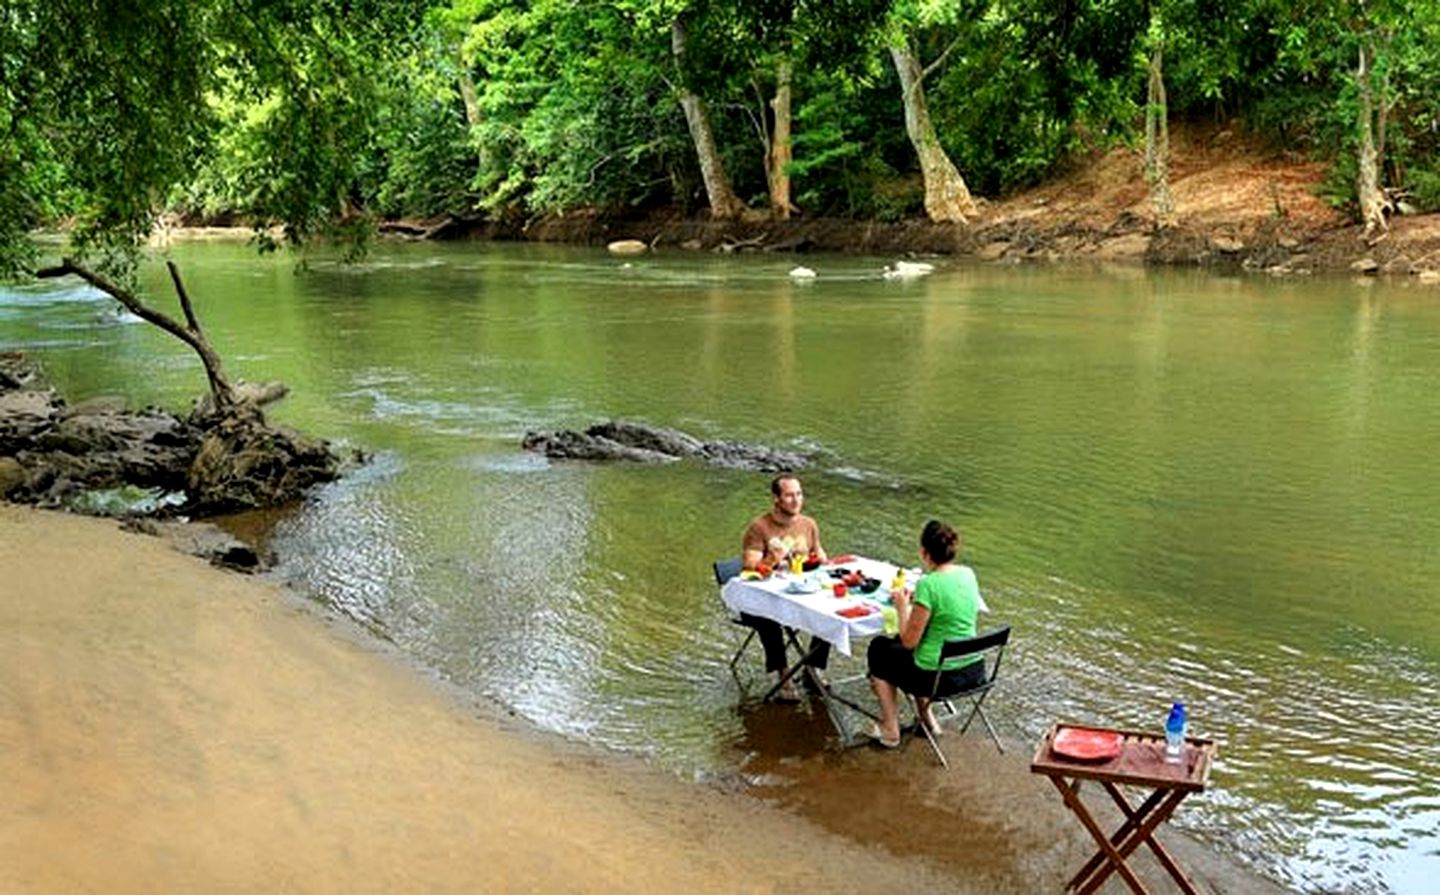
[1367, 177]
[1157, 141]
[724, 204]
[471, 98]
[947, 199]
[190, 333]
[777, 160]
[473, 118]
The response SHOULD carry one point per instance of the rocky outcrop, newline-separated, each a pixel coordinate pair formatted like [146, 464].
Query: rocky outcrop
[639, 443]
[243, 462]
[51, 453]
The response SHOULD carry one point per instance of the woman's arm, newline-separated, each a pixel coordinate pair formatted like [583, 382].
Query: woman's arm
[912, 620]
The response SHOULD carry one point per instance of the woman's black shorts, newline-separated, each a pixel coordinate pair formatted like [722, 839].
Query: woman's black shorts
[892, 662]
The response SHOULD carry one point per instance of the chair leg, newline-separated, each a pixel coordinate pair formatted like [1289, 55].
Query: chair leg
[978, 709]
[925, 729]
[990, 727]
[741, 651]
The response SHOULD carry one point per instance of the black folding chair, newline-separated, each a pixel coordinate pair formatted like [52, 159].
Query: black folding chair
[990, 646]
[725, 569]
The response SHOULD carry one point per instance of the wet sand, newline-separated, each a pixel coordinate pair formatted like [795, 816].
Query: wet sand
[169, 727]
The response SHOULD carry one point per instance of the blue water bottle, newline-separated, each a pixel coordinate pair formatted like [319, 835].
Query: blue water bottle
[1175, 732]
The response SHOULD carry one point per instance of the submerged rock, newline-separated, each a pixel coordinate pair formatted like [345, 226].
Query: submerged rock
[639, 443]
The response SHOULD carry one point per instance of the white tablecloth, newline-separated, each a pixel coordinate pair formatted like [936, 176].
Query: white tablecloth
[815, 613]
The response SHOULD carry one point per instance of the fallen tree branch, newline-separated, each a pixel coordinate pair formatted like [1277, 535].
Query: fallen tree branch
[191, 334]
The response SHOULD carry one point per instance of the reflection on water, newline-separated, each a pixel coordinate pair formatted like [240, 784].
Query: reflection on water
[1172, 485]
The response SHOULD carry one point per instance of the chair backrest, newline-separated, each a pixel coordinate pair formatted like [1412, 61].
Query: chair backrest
[994, 640]
[725, 569]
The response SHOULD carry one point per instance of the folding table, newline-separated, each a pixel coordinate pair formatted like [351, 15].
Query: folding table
[1140, 763]
[818, 614]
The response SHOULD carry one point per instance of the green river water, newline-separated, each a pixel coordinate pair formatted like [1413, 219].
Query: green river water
[1174, 485]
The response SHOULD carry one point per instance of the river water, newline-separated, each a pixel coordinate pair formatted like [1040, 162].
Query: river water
[1174, 485]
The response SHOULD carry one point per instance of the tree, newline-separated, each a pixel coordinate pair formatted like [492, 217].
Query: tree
[824, 37]
[1157, 129]
[108, 108]
[724, 203]
[1375, 61]
[947, 198]
[111, 107]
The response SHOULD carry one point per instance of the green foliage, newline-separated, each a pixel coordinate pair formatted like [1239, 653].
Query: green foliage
[112, 106]
[1424, 185]
[100, 115]
[320, 115]
[848, 142]
[1020, 93]
[1292, 117]
[574, 108]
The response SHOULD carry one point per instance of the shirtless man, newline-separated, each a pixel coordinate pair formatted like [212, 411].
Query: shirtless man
[772, 538]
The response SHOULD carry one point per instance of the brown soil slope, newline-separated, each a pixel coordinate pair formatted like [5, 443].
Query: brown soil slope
[1237, 204]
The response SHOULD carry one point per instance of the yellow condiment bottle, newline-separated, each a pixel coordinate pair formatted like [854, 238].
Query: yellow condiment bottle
[898, 584]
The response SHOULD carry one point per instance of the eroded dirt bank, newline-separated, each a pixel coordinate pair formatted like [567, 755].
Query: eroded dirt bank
[1237, 206]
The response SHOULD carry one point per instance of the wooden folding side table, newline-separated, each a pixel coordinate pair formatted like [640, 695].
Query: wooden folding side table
[1140, 763]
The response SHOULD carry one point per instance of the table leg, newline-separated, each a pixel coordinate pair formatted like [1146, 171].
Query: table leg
[1135, 817]
[1143, 833]
[826, 693]
[1132, 820]
[1107, 848]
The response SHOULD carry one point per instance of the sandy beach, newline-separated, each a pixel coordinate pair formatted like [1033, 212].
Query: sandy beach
[169, 727]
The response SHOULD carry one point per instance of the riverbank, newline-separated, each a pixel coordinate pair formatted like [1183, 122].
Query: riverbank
[172, 727]
[1238, 205]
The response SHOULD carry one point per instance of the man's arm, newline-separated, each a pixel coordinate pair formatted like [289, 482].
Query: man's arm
[752, 547]
[751, 559]
[815, 544]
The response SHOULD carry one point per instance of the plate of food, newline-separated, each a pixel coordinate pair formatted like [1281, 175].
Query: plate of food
[1087, 743]
[805, 585]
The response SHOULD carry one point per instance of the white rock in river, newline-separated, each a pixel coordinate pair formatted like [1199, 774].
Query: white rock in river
[907, 270]
[627, 247]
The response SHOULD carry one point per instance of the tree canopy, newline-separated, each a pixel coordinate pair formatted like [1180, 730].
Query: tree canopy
[314, 115]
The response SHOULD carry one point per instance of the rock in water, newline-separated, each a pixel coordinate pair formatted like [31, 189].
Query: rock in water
[627, 247]
[639, 443]
[648, 438]
[244, 463]
[907, 270]
[567, 444]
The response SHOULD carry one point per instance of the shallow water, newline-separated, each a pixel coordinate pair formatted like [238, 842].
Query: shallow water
[1173, 485]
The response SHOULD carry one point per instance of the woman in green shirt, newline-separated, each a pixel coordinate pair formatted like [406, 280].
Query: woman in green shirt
[943, 608]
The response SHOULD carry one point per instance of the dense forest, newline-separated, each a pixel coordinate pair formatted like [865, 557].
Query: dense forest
[324, 116]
